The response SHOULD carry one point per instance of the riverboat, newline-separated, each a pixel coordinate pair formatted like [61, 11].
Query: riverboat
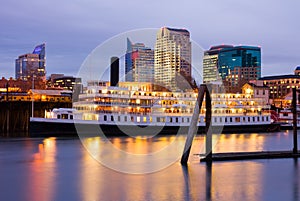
[135, 109]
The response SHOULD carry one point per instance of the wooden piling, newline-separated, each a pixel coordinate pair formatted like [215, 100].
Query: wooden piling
[193, 126]
[295, 137]
[208, 129]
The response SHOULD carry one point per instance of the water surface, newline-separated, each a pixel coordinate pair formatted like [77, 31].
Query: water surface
[63, 169]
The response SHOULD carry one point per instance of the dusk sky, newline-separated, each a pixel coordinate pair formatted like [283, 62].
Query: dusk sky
[73, 28]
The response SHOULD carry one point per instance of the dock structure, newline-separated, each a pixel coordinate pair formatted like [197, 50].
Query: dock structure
[231, 156]
[209, 156]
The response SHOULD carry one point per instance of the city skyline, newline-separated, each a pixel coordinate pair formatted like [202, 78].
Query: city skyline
[77, 28]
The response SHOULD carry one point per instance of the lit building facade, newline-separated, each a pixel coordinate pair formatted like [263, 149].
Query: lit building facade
[172, 56]
[238, 77]
[139, 63]
[31, 64]
[280, 86]
[67, 83]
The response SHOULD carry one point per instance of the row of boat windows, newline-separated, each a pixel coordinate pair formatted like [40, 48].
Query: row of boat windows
[147, 94]
[64, 116]
[187, 119]
[188, 95]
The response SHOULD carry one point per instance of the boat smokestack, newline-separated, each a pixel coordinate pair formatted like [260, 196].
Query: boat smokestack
[114, 71]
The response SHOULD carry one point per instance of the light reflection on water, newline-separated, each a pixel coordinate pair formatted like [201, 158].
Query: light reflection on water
[62, 169]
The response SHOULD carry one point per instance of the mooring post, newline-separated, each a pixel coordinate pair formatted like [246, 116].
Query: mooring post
[294, 106]
[193, 126]
[208, 131]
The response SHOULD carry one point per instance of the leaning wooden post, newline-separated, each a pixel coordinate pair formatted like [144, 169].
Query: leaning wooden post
[193, 126]
[294, 106]
[208, 131]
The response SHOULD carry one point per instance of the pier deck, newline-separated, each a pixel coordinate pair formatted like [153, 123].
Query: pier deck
[250, 155]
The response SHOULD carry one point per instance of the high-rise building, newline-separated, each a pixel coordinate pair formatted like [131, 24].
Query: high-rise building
[172, 57]
[233, 64]
[210, 63]
[32, 64]
[139, 63]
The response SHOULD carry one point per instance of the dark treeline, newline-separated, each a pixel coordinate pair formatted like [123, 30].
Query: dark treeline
[14, 116]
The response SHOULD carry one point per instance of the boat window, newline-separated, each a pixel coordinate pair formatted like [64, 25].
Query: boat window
[182, 120]
[215, 119]
[157, 119]
[225, 119]
[112, 118]
[105, 118]
[119, 118]
[237, 119]
[188, 120]
[71, 116]
[132, 119]
[220, 119]
[64, 116]
[230, 119]
[171, 119]
[253, 118]
[267, 118]
[176, 119]
[258, 118]
[263, 118]
[249, 119]
[58, 116]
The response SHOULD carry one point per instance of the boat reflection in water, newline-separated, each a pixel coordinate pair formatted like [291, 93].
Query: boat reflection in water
[63, 169]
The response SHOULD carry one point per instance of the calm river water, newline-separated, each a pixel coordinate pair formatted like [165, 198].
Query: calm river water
[144, 169]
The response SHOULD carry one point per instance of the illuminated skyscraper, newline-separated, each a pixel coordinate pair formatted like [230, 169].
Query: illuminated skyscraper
[32, 64]
[172, 57]
[139, 63]
[235, 65]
